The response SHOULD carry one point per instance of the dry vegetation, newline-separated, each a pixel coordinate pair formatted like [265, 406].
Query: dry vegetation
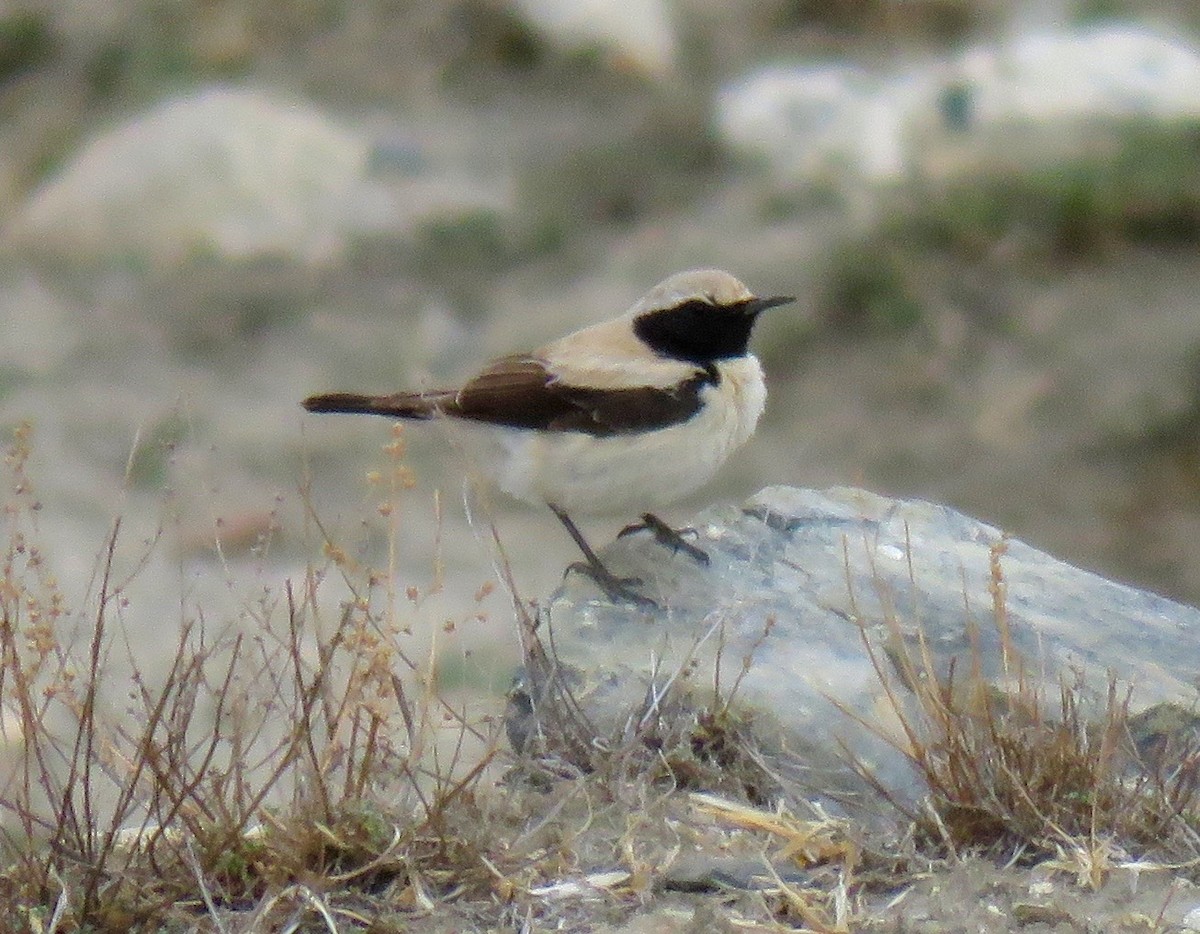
[309, 775]
[270, 774]
[1067, 781]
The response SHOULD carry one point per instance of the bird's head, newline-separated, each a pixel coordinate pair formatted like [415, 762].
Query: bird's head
[700, 316]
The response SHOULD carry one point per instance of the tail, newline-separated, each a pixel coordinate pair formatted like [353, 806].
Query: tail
[401, 405]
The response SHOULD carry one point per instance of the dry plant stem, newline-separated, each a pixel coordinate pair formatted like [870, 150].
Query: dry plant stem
[148, 756]
[802, 902]
[147, 813]
[1002, 769]
[656, 695]
[548, 690]
[198, 872]
[998, 589]
[34, 760]
[417, 729]
[550, 696]
[571, 724]
[78, 790]
[309, 697]
[721, 705]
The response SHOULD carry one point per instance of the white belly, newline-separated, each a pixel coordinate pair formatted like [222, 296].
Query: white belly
[630, 473]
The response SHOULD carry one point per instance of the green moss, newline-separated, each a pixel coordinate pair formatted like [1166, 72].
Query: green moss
[494, 38]
[474, 239]
[237, 867]
[1143, 187]
[1091, 11]
[1139, 185]
[25, 42]
[870, 285]
[940, 20]
[456, 672]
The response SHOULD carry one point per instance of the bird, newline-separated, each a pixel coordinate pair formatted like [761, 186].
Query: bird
[631, 413]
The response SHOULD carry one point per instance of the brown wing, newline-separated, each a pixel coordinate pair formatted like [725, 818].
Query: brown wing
[519, 392]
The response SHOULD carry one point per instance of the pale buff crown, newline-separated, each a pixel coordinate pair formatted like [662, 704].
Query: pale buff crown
[709, 285]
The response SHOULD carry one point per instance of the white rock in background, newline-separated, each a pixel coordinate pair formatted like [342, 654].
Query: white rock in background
[639, 32]
[238, 174]
[807, 120]
[1106, 71]
[822, 123]
[220, 171]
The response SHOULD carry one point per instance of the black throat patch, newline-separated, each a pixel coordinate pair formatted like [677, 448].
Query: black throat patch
[696, 332]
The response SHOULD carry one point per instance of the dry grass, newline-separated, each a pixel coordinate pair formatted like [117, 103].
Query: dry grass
[1026, 776]
[306, 773]
[279, 773]
[675, 737]
[301, 773]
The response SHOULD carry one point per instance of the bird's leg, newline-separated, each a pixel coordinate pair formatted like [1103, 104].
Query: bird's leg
[667, 537]
[615, 588]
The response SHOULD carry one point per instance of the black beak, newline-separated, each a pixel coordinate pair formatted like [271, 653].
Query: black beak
[756, 305]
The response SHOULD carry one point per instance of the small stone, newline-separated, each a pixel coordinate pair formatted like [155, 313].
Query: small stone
[1027, 913]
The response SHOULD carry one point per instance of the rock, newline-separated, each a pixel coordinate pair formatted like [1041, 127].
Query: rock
[813, 123]
[636, 32]
[801, 583]
[1103, 72]
[235, 174]
[41, 330]
[223, 172]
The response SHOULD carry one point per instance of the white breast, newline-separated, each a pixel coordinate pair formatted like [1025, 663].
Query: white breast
[630, 473]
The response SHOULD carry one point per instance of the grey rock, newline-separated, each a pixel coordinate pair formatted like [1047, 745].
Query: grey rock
[820, 596]
[220, 171]
[237, 174]
[701, 871]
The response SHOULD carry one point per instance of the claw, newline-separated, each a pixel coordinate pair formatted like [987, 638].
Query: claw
[617, 589]
[667, 537]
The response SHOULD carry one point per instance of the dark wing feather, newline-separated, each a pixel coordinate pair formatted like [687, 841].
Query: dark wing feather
[400, 405]
[513, 391]
[520, 392]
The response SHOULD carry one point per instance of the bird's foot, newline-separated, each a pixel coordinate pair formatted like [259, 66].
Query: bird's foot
[667, 537]
[617, 589]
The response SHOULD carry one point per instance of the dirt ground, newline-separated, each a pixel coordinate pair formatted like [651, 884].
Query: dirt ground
[672, 866]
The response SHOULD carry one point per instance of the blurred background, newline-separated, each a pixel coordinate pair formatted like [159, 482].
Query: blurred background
[209, 210]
